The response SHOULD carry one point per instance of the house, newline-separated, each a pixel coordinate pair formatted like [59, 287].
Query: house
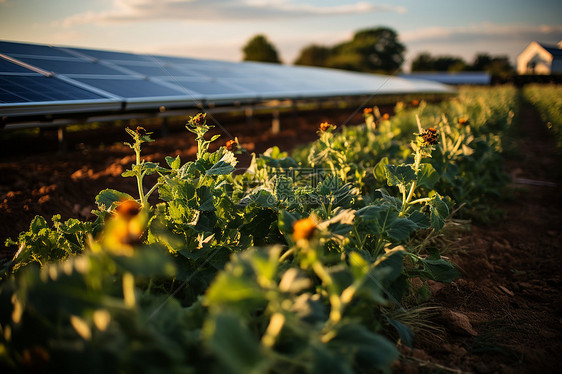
[540, 58]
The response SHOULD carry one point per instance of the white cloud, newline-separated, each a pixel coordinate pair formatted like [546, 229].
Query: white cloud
[213, 10]
[473, 32]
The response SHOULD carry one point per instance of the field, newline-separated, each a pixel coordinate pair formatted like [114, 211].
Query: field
[424, 240]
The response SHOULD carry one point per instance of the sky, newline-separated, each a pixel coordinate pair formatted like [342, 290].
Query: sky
[218, 29]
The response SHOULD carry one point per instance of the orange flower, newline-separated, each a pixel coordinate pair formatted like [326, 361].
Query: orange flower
[199, 119]
[463, 121]
[303, 229]
[126, 228]
[385, 116]
[141, 131]
[231, 145]
[324, 126]
[415, 102]
[128, 209]
[367, 110]
[430, 136]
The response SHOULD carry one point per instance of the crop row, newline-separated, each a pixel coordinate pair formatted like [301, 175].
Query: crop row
[299, 264]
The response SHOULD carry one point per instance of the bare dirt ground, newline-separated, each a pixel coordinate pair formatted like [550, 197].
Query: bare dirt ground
[504, 315]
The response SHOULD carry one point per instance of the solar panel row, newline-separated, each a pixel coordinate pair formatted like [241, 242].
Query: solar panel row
[43, 74]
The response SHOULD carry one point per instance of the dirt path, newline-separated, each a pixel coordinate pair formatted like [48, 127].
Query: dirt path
[505, 314]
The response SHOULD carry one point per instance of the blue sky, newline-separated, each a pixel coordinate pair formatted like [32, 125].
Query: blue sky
[219, 28]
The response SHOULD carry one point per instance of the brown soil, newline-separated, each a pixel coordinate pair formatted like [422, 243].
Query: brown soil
[503, 316]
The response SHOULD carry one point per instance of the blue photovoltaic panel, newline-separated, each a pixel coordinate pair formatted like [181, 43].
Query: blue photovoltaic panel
[208, 86]
[79, 72]
[13, 49]
[209, 71]
[259, 85]
[9, 67]
[38, 88]
[153, 70]
[132, 88]
[71, 66]
[109, 55]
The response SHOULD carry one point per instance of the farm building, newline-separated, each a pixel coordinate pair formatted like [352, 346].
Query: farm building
[540, 58]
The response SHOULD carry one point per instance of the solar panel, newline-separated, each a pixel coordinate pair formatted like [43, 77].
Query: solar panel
[38, 88]
[109, 55]
[70, 66]
[209, 87]
[154, 70]
[107, 80]
[130, 88]
[22, 49]
[10, 67]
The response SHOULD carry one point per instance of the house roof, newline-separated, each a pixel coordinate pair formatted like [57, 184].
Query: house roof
[552, 49]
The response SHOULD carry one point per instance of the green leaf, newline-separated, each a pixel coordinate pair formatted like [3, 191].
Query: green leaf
[427, 176]
[261, 197]
[401, 228]
[380, 170]
[404, 332]
[367, 349]
[106, 198]
[151, 167]
[326, 362]
[440, 270]
[148, 262]
[286, 221]
[438, 212]
[340, 229]
[205, 199]
[392, 262]
[128, 173]
[400, 175]
[174, 163]
[420, 219]
[220, 168]
[37, 224]
[232, 342]
[206, 222]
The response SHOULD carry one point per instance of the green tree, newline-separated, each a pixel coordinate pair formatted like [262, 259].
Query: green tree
[373, 50]
[260, 49]
[495, 65]
[314, 55]
[425, 62]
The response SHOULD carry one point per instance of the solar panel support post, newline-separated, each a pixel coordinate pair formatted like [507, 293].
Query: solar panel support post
[249, 112]
[164, 127]
[61, 137]
[294, 110]
[275, 122]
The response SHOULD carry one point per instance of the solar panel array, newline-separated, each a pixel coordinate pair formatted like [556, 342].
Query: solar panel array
[41, 78]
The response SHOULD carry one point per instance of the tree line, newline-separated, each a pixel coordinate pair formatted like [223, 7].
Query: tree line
[375, 50]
